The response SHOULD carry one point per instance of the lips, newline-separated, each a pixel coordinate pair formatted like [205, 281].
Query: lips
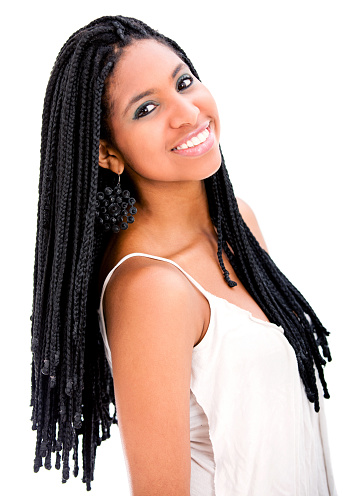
[203, 136]
[194, 138]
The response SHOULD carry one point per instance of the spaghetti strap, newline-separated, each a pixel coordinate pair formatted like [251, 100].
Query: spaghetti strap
[131, 255]
[107, 279]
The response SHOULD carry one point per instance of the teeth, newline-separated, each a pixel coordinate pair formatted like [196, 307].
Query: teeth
[196, 140]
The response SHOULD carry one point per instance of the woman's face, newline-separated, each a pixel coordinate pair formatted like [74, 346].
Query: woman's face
[163, 120]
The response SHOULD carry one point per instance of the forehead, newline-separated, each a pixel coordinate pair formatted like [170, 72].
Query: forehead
[143, 55]
[143, 65]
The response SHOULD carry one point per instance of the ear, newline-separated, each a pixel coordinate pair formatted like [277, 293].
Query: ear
[110, 158]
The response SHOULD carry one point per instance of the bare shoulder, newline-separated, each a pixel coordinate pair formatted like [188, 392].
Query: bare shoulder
[250, 219]
[152, 299]
[144, 282]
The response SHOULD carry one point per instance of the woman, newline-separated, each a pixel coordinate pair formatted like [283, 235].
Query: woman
[149, 272]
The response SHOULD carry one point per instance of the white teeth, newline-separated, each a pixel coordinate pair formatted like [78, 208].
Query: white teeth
[196, 140]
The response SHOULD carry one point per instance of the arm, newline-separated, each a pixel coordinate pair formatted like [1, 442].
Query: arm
[151, 344]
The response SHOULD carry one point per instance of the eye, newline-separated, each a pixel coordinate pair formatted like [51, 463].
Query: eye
[144, 110]
[184, 82]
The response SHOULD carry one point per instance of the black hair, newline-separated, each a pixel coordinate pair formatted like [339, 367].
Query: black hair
[72, 388]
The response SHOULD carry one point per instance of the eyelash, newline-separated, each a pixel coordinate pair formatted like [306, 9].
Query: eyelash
[142, 112]
[182, 78]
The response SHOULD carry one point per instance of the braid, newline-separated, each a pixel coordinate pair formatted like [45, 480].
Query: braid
[72, 387]
[230, 283]
[278, 298]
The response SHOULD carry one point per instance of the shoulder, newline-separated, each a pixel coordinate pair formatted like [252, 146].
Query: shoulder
[144, 289]
[137, 275]
[250, 219]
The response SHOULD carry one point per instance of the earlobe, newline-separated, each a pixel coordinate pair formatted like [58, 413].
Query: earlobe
[110, 158]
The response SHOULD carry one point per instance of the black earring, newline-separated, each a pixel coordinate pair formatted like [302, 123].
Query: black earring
[115, 208]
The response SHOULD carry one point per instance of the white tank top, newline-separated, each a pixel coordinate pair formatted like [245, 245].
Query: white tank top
[253, 430]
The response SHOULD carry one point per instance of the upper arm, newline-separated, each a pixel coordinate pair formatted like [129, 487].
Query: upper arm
[251, 221]
[150, 331]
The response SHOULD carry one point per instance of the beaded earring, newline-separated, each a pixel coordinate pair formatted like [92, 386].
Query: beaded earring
[115, 208]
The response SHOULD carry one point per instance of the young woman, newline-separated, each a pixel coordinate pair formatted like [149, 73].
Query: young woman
[153, 288]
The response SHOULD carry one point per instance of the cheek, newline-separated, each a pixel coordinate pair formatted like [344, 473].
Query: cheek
[208, 97]
[214, 107]
[140, 154]
[208, 105]
[138, 147]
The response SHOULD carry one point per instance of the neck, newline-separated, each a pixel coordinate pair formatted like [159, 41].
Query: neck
[173, 213]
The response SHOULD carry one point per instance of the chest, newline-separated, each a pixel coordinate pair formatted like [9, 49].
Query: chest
[204, 267]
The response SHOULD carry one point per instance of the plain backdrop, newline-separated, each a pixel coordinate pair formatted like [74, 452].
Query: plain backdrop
[278, 71]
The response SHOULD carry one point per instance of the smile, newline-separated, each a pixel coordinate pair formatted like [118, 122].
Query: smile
[198, 143]
[196, 140]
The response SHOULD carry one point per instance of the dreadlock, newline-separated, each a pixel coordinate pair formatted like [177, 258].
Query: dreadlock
[72, 388]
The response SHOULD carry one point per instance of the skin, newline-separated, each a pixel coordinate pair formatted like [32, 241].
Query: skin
[151, 342]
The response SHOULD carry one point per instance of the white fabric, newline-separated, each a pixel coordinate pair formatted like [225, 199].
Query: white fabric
[253, 430]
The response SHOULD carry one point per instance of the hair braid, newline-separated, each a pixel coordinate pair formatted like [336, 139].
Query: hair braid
[227, 278]
[251, 274]
[277, 297]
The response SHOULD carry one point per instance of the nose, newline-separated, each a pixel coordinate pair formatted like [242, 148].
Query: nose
[184, 112]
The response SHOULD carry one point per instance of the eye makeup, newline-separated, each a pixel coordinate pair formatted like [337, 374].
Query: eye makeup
[183, 83]
[144, 110]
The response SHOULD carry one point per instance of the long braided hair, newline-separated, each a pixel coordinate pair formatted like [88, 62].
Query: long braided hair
[72, 388]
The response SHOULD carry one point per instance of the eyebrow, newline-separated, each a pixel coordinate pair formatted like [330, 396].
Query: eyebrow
[151, 91]
[177, 69]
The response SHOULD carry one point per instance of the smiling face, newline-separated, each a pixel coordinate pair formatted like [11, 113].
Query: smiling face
[163, 121]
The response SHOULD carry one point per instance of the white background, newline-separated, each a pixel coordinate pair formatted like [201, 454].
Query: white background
[278, 71]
